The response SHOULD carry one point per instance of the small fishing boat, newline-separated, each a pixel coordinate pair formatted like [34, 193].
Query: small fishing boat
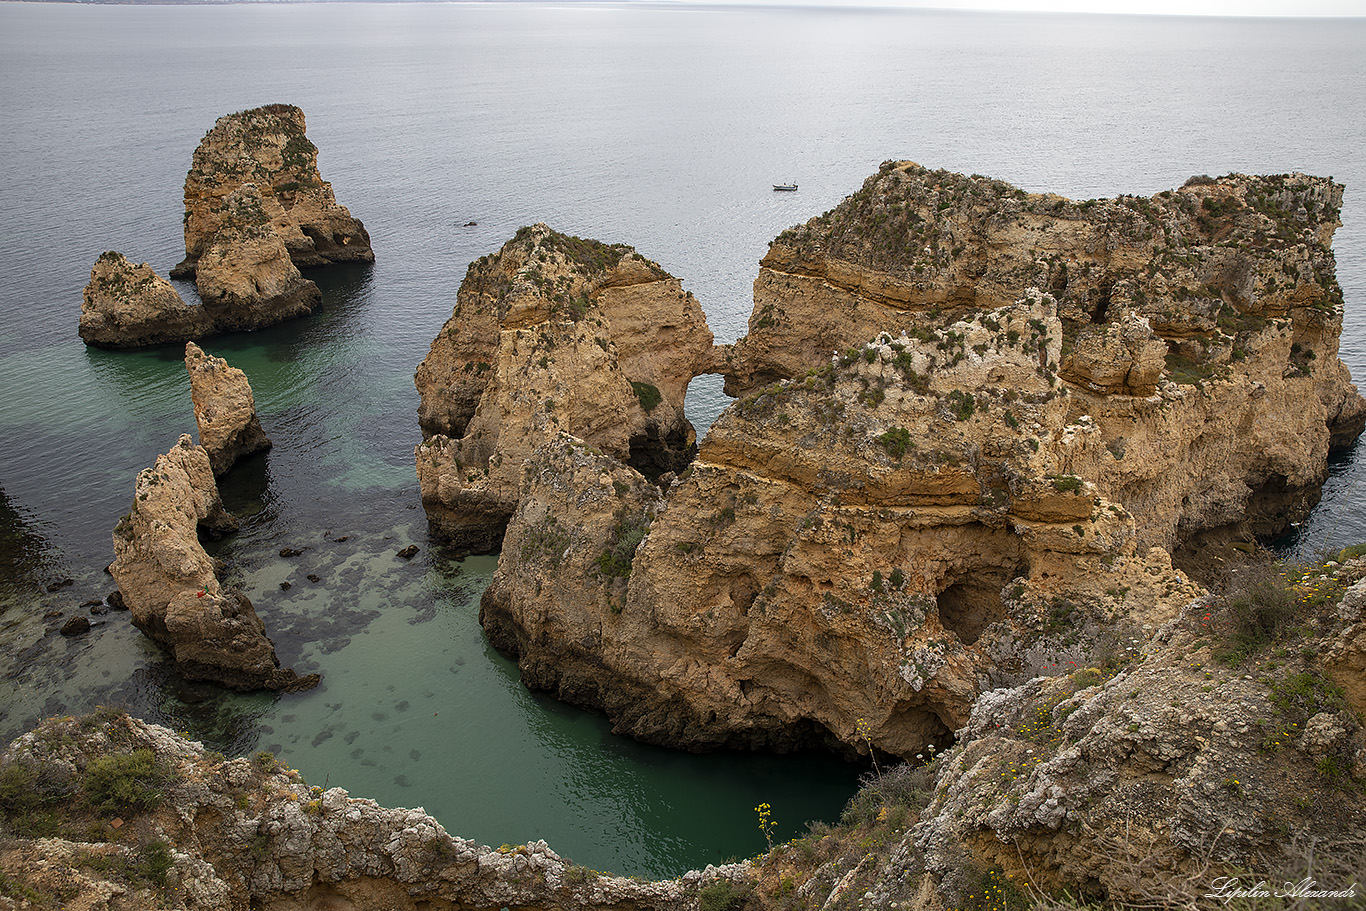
[785, 187]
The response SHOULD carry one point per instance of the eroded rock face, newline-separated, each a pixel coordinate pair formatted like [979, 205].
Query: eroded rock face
[128, 306]
[850, 560]
[1200, 326]
[267, 147]
[551, 334]
[170, 584]
[248, 834]
[1177, 766]
[245, 277]
[865, 545]
[224, 409]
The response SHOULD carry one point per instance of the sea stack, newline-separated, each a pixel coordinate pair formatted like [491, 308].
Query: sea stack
[128, 306]
[267, 147]
[224, 408]
[246, 279]
[553, 333]
[170, 584]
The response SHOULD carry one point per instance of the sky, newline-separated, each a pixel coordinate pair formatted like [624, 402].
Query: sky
[1148, 7]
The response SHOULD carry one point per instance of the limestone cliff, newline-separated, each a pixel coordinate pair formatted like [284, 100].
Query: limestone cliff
[552, 333]
[1225, 287]
[224, 409]
[1229, 745]
[120, 815]
[127, 306]
[170, 584]
[850, 560]
[245, 277]
[267, 147]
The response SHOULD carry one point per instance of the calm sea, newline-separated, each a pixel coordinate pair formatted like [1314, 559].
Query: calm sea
[662, 127]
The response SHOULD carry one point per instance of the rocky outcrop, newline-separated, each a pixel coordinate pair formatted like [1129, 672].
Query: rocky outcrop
[1200, 326]
[267, 147]
[553, 333]
[202, 833]
[850, 560]
[127, 306]
[224, 409]
[245, 277]
[170, 584]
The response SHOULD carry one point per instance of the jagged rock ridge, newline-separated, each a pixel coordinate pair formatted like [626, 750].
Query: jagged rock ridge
[552, 333]
[198, 832]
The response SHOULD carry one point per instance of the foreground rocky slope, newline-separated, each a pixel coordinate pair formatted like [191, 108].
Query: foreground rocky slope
[553, 333]
[1229, 744]
[267, 147]
[170, 584]
[119, 815]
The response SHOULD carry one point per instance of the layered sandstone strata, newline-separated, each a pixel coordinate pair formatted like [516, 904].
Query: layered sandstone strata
[553, 333]
[245, 277]
[128, 306]
[850, 560]
[267, 147]
[1226, 288]
[224, 409]
[171, 586]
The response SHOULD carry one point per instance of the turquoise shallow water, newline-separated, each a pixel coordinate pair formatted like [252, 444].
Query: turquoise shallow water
[663, 127]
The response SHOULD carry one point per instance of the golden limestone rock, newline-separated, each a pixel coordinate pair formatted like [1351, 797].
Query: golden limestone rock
[553, 333]
[224, 409]
[246, 279]
[128, 306]
[170, 584]
[267, 147]
[974, 424]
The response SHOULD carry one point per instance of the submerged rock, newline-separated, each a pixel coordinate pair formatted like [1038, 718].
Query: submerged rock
[224, 409]
[127, 306]
[553, 333]
[267, 147]
[171, 586]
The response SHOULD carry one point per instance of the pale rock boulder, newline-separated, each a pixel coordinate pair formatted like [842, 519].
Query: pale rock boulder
[128, 306]
[268, 147]
[224, 409]
[246, 279]
[171, 586]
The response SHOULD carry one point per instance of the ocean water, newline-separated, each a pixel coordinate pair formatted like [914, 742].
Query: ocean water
[658, 126]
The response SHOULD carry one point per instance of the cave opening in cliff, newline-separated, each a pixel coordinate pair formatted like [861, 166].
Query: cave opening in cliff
[654, 454]
[972, 603]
